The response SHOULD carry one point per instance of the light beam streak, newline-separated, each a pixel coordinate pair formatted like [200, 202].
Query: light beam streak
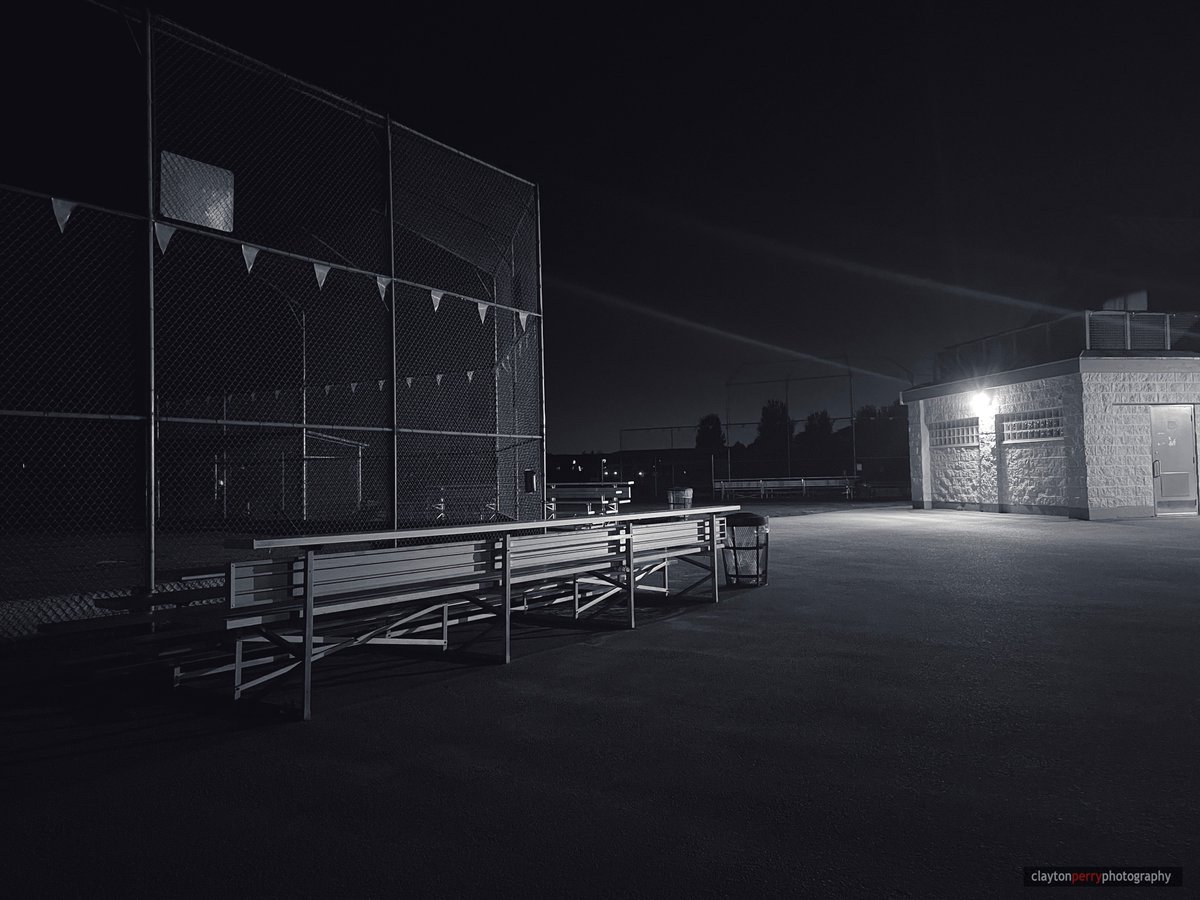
[640, 309]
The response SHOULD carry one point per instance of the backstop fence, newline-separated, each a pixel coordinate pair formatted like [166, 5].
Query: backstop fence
[317, 320]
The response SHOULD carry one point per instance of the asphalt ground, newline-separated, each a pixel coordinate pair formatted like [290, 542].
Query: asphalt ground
[919, 704]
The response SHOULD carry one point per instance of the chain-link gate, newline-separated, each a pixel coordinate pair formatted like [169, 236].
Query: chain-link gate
[325, 322]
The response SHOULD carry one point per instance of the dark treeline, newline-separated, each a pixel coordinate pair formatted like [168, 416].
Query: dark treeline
[873, 445]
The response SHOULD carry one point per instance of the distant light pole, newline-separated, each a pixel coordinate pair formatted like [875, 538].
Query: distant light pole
[853, 418]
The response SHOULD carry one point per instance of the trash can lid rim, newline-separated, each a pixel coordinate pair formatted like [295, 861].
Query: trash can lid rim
[745, 520]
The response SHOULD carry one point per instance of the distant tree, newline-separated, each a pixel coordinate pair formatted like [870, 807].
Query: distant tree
[868, 413]
[775, 427]
[709, 434]
[818, 424]
[816, 444]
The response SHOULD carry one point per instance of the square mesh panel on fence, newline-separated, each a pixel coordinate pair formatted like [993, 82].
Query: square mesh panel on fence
[447, 480]
[1148, 332]
[346, 337]
[72, 460]
[457, 221]
[310, 169]
[1106, 331]
[1185, 332]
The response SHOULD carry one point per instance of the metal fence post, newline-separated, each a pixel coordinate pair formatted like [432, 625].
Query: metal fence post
[152, 405]
[537, 198]
[392, 291]
[303, 413]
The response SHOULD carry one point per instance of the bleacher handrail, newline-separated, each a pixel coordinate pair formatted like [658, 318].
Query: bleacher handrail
[314, 540]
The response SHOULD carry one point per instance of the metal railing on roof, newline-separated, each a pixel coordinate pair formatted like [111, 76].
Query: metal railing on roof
[1067, 337]
[1122, 330]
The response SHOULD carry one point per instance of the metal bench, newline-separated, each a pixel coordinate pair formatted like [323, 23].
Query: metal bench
[589, 498]
[764, 488]
[289, 612]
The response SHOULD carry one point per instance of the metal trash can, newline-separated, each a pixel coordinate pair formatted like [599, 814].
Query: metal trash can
[747, 537]
[679, 498]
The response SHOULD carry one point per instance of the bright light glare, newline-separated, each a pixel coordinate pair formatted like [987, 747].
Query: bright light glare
[981, 403]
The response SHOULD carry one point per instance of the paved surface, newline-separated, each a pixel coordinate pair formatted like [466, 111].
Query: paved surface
[918, 705]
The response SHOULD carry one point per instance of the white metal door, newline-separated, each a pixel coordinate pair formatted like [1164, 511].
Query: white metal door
[1174, 461]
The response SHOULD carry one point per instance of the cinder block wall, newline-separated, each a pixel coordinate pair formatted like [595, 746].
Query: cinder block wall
[1044, 476]
[1116, 410]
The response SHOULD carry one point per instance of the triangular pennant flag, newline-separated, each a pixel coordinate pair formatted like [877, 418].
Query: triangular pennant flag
[62, 212]
[249, 254]
[381, 384]
[408, 381]
[326, 390]
[382, 281]
[163, 233]
[437, 299]
[470, 377]
[439, 379]
[322, 271]
[354, 387]
[524, 318]
[482, 310]
[504, 364]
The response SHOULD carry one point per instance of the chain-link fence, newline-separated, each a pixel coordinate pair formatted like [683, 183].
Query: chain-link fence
[324, 322]
[873, 446]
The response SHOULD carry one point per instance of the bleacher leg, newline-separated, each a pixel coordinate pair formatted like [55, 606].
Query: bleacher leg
[309, 627]
[237, 668]
[630, 574]
[507, 576]
[714, 551]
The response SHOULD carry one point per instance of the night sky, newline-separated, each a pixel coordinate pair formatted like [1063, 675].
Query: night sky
[740, 195]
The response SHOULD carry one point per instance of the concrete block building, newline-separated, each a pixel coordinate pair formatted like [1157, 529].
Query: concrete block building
[1108, 432]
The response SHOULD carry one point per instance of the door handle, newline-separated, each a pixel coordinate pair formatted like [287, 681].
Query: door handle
[1156, 468]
